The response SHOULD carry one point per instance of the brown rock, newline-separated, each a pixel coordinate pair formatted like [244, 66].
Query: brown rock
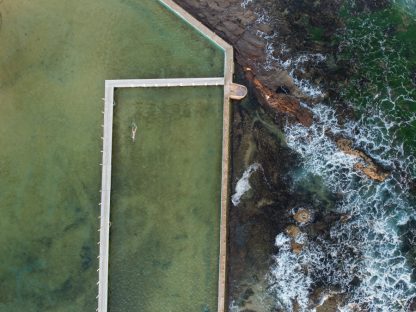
[296, 248]
[369, 167]
[234, 28]
[266, 28]
[281, 102]
[344, 218]
[303, 216]
[213, 5]
[293, 231]
[251, 45]
[345, 145]
[247, 18]
[372, 172]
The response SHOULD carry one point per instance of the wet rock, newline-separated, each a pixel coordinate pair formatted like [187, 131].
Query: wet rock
[251, 45]
[368, 166]
[296, 247]
[265, 28]
[247, 17]
[303, 216]
[372, 172]
[371, 5]
[292, 231]
[239, 27]
[413, 77]
[412, 305]
[248, 293]
[345, 218]
[233, 27]
[283, 103]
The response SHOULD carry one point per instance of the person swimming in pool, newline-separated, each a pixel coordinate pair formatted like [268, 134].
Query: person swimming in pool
[133, 131]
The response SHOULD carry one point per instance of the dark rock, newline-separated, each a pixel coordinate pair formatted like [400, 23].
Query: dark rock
[282, 89]
[233, 27]
[371, 5]
[251, 45]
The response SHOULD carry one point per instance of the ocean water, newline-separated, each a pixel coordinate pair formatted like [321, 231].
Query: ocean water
[366, 260]
[54, 58]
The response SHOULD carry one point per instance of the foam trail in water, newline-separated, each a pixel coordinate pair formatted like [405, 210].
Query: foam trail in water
[291, 63]
[246, 3]
[243, 185]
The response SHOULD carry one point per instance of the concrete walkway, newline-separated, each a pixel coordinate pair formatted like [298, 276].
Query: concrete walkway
[169, 82]
[229, 92]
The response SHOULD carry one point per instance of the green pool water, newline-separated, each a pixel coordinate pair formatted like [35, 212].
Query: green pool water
[54, 58]
[166, 200]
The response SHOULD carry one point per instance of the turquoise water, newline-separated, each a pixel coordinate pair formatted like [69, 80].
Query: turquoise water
[54, 58]
[166, 200]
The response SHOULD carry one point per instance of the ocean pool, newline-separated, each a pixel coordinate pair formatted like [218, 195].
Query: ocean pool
[165, 205]
[54, 58]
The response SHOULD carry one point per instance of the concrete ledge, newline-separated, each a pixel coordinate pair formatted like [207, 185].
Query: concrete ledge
[237, 91]
[168, 82]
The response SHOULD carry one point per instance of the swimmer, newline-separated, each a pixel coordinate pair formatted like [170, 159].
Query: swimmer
[133, 131]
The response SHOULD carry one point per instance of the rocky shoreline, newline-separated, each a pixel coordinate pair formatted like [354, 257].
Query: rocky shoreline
[272, 206]
[241, 27]
[252, 35]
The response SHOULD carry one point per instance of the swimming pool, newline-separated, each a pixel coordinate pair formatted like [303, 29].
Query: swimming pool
[54, 58]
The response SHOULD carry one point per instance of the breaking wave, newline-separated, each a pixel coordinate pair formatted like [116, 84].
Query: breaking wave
[368, 249]
[286, 59]
[366, 259]
[243, 185]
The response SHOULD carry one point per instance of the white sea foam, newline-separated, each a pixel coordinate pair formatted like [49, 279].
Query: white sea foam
[288, 279]
[408, 5]
[233, 307]
[246, 3]
[362, 257]
[368, 246]
[243, 185]
[290, 63]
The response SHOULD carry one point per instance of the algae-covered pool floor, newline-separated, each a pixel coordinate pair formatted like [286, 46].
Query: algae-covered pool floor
[165, 206]
[54, 59]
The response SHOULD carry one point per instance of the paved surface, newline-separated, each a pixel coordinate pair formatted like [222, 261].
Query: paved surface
[237, 91]
[169, 82]
[110, 85]
[105, 200]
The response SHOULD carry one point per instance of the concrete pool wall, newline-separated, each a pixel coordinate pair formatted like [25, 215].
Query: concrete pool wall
[107, 152]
